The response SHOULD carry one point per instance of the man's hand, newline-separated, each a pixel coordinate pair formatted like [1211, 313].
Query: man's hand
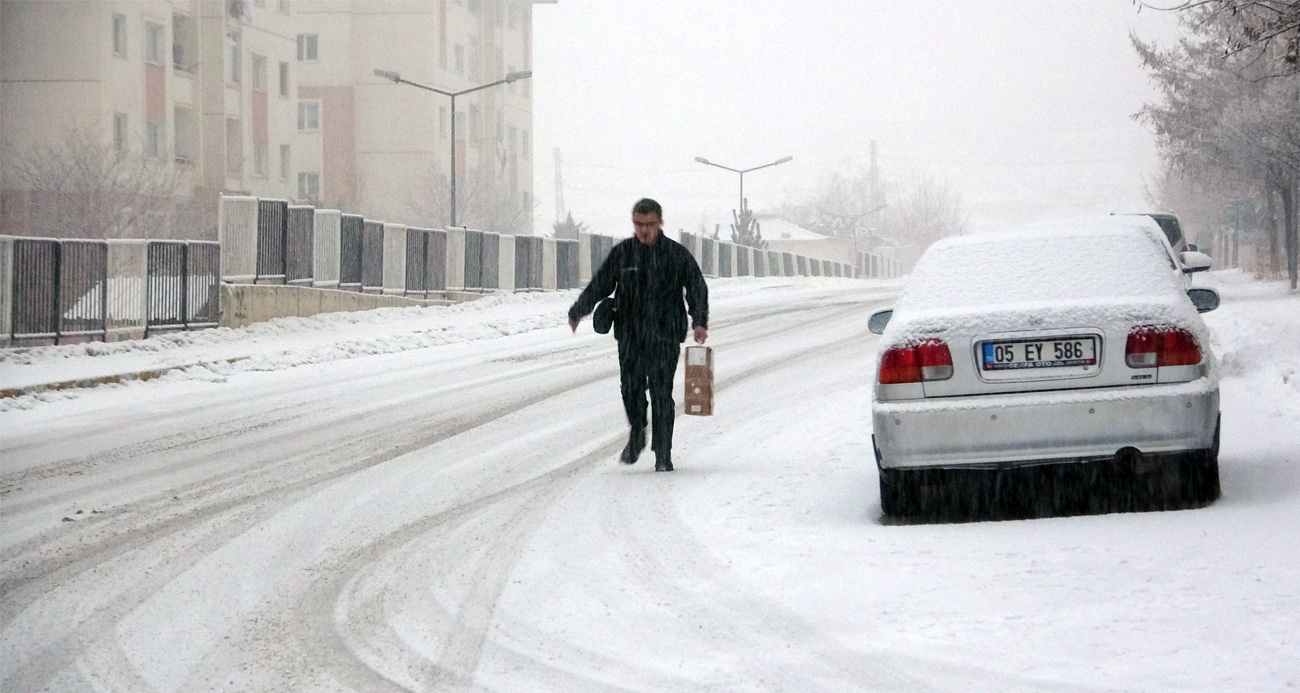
[573, 324]
[701, 334]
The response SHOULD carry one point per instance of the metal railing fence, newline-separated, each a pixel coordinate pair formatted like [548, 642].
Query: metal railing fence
[350, 228]
[272, 228]
[58, 291]
[298, 249]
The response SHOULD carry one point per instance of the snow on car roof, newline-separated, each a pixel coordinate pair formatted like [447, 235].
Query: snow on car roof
[1059, 262]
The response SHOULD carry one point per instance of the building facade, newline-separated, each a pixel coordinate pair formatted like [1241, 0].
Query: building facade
[169, 103]
[385, 149]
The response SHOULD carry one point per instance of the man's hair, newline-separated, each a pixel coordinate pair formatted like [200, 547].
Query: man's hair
[646, 205]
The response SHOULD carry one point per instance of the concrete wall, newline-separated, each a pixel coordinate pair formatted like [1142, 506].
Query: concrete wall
[245, 304]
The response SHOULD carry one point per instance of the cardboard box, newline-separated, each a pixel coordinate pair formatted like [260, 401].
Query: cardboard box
[699, 381]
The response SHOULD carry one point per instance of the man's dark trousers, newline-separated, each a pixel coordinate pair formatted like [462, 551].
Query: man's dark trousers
[649, 363]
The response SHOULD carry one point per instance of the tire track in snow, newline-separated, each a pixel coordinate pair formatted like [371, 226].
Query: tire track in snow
[371, 666]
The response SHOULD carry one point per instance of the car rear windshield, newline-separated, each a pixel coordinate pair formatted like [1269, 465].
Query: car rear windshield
[1037, 267]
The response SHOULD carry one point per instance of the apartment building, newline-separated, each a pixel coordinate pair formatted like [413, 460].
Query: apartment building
[273, 98]
[202, 89]
[384, 149]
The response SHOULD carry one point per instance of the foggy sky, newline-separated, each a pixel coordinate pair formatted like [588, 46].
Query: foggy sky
[1023, 106]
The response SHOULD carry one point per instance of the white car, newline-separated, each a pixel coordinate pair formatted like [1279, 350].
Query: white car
[1056, 370]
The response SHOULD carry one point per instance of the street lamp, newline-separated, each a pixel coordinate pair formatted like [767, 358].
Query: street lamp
[396, 78]
[742, 173]
[854, 219]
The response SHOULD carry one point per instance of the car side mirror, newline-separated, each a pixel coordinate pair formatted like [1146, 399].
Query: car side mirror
[1194, 261]
[1192, 247]
[1205, 300]
[879, 319]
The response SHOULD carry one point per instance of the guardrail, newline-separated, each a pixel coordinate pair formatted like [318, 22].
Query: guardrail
[60, 291]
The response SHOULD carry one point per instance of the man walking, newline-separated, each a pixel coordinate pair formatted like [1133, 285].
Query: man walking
[651, 274]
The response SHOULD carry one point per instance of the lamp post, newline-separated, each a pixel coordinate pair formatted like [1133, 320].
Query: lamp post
[742, 173]
[397, 79]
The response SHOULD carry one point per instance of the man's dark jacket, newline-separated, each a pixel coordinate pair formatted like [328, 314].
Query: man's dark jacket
[651, 281]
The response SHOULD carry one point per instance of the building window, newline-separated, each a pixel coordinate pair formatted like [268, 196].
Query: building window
[473, 123]
[260, 3]
[259, 159]
[473, 58]
[308, 186]
[183, 42]
[528, 203]
[473, 5]
[460, 59]
[119, 35]
[527, 145]
[259, 72]
[501, 128]
[234, 66]
[185, 134]
[308, 47]
[119, 132]
[284, 6]
[514, 142]
[308, 116]
[442, 121]
[284, 162]
[512, 15]
[284, 79]
[234, 146]
[154, 140]
[153, 43]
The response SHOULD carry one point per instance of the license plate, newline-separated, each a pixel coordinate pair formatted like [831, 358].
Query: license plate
[1057, 352]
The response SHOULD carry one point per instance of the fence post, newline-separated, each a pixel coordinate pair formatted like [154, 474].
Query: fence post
[6, 290]
[393, 271]
[584, 258]
[237, 233]
[325, 247]
[549, 264]
[455, 259]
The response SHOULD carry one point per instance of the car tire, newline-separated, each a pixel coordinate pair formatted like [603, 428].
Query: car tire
[897, 493]
[1203, 475]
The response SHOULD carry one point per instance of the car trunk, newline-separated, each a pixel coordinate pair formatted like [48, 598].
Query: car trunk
[1060, 346]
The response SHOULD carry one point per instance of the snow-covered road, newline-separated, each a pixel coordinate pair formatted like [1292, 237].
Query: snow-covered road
[415, 501]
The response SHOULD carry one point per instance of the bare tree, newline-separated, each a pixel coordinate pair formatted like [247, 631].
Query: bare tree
[482, 202]
[1247, 32]
[81, 186]
[1226, 120]
[930, 210]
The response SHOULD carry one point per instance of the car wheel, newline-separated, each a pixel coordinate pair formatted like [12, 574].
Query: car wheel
[1203, 476]
[897, 493]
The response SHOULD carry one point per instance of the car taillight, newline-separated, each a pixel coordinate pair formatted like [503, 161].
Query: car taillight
[926, 360]
[1150, 346]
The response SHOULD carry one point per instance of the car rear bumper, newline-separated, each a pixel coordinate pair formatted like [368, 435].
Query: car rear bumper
[1023, 429]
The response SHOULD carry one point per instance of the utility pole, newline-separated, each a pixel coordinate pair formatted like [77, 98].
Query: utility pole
[559, 189]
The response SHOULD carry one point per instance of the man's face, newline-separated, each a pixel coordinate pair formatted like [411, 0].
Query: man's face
[646, 227]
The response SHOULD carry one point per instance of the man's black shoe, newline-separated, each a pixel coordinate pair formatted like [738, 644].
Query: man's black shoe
[635, 444]
[664, 462]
